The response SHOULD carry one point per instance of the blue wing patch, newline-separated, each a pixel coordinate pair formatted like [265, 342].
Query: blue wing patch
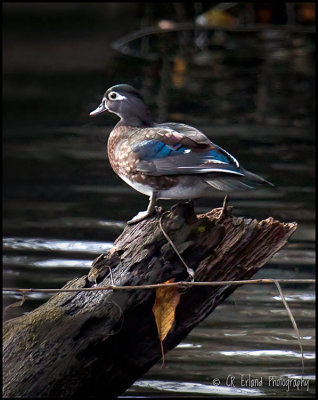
[154, 149]
[158, 158]
[217, 156]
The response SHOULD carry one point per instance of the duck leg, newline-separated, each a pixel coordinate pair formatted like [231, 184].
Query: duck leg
[223, 210]
[145, 214]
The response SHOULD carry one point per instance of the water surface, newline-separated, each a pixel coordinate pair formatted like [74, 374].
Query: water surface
[63, 205]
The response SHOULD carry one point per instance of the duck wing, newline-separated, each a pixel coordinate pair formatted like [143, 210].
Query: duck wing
[178, 149]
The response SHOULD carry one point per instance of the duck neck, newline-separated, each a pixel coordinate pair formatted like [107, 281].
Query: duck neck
[142, 120]
[135, 114]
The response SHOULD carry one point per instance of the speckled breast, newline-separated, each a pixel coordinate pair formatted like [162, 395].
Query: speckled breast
[124, 160]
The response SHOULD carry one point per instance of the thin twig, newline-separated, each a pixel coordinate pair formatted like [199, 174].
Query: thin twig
[159, 285]
[275, 281]
[189, 270]
[178, 284]
[111, 276]
[293, 322]
[17, 303]
[163, 354]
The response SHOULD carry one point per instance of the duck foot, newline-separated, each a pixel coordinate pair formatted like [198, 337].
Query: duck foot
[145, 214]
[139, 217]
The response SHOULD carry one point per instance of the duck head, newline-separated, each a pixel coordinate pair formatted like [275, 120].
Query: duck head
[126, 102]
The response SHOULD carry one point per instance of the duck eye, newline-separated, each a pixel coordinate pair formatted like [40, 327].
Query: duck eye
[112, 95]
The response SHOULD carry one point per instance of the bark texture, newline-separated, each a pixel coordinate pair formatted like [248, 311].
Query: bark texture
[92, 344]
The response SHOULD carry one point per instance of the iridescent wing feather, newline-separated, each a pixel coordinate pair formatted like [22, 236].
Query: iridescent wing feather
[177, 149]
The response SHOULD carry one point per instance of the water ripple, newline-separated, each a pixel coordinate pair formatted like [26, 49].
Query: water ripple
[47, 263]
[267, 353]
[193, 387]
[37, 244]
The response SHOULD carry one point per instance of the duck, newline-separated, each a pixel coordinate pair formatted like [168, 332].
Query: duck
[168, 160]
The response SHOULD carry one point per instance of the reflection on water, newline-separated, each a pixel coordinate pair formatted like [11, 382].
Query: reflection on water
[63, 205]
[54, 231]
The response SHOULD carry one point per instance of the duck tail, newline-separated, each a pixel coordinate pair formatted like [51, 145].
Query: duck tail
[227, 182]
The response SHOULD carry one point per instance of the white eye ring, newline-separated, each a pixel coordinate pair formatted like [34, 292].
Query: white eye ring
[115, 96]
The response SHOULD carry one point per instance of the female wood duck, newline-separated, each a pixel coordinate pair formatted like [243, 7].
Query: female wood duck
[166, 161]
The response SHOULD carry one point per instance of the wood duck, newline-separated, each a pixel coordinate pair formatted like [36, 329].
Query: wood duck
[169, 160]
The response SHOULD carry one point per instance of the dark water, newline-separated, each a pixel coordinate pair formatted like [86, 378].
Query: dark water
[66, 207]
[63, 205]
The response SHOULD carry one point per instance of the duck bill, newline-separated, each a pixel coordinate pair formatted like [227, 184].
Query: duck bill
[101, 108]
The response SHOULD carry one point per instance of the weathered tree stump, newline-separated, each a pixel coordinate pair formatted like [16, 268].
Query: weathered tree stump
[89, 344]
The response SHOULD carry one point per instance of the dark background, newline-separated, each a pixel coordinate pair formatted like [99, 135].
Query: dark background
[246, 79]
[58, 54]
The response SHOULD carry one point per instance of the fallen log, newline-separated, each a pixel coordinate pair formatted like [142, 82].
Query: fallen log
[94, 343]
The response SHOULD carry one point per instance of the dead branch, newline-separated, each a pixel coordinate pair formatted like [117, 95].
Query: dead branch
[92, 343]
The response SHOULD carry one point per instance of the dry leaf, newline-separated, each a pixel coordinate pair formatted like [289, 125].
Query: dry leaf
[164, 310]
